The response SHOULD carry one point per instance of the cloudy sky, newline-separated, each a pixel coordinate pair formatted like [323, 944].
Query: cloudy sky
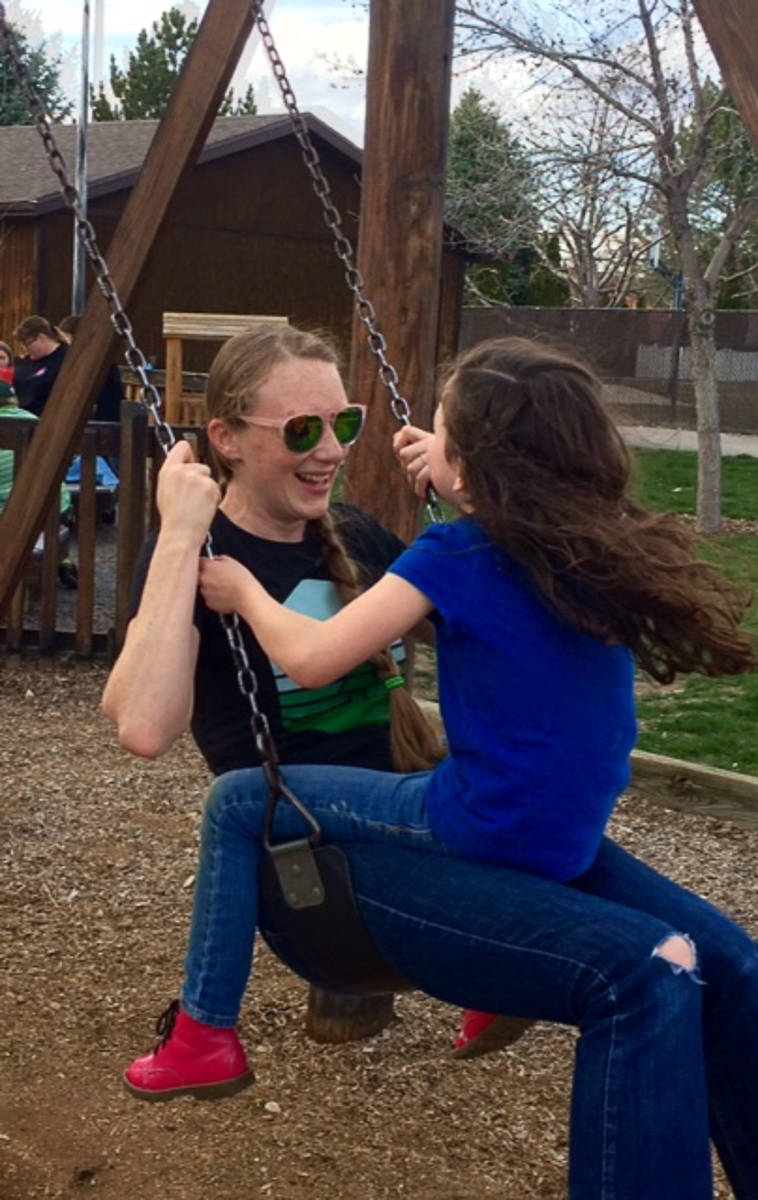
[310, 35]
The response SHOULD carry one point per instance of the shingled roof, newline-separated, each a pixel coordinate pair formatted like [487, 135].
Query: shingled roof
[117, 150]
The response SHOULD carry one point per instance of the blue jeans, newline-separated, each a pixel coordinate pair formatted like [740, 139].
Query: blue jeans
[667, 1056]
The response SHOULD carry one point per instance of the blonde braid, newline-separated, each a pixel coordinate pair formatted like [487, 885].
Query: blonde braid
[415, 745]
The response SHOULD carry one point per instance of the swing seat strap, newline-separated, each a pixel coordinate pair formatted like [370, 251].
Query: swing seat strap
[324, 939]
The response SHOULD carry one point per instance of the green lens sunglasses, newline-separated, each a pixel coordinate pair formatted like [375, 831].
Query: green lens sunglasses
[303, 432]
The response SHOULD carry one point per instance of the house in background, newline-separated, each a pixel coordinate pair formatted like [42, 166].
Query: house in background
[245, 233]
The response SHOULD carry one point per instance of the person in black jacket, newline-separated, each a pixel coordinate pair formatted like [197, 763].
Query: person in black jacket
[108, 403]
[36, 372]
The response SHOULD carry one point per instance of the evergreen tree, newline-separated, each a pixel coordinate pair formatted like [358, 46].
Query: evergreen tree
[144, 89]
[728, 181]
[45, 73]
[490, 193]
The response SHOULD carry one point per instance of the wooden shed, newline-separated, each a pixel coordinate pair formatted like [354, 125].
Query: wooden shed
[245, 235]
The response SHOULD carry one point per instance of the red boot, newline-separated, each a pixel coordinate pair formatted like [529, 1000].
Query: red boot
[485, 1032]
[190, 1060]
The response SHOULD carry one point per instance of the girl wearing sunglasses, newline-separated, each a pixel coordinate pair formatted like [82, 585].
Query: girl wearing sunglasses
[281, 428]
[503, 891]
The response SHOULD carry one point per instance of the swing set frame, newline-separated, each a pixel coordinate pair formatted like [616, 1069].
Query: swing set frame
[401, 230]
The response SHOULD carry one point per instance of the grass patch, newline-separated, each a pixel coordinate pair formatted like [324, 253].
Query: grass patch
[666, 481]
[710, 721]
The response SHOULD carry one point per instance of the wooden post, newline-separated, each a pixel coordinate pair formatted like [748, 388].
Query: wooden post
[17, 606]
[402, 202]
[173, 393]
[730, 28]
[131, 517]
[400, 251]
[86, 529]
[206, 75]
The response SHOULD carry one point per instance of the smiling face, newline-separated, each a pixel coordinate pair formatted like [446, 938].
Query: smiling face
[273, 492]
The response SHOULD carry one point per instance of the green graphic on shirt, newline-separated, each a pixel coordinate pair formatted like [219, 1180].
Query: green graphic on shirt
[356, 700]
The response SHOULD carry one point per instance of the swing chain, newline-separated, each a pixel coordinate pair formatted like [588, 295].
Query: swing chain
[377, 343]
[85, 231]
[136, 360]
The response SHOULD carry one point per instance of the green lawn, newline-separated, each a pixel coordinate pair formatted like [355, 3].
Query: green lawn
[667, 479]
[711, 721]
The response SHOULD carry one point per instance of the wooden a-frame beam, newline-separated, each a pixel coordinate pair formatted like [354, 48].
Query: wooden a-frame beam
[401, 233]
[178, 141]
[731, 27]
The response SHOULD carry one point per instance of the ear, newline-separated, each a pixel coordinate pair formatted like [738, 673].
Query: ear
[462, 501]
[224, 440]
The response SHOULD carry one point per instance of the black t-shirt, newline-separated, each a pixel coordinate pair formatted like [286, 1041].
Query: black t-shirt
[108, 405]
[345, 723]
[34, 379]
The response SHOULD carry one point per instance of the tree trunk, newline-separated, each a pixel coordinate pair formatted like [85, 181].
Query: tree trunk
[335, 1019]
[703, 345]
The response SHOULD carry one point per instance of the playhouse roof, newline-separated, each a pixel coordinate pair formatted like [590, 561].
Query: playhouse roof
[117, 149]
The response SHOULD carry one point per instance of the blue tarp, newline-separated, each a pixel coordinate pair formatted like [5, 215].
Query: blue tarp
[105, 477]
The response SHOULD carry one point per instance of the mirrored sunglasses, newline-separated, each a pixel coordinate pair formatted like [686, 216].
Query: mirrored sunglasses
[303, 432]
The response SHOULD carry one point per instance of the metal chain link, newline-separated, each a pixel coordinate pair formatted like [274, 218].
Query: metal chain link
[85, 231]
[136, 360]
[377, 343]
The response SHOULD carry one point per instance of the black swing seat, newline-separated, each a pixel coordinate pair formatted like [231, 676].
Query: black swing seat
[310, 918]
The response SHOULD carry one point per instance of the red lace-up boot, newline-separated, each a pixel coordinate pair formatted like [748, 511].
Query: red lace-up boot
[190, 1060]
[484, 1032]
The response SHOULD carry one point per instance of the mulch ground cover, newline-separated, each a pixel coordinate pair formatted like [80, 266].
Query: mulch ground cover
[97, 859]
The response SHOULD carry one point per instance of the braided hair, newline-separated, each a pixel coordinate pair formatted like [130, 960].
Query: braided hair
[414, 743]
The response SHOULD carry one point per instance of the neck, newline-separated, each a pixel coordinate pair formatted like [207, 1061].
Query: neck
[263, 525]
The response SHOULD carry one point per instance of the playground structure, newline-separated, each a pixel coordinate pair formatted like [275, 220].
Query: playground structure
[401, 221]
[188, 408]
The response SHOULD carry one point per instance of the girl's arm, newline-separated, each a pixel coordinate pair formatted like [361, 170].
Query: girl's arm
[149, 695]
[312, 652]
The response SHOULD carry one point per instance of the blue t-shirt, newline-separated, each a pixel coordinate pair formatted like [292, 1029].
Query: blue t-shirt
[539, 717]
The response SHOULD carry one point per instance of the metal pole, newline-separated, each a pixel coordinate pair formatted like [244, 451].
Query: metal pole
[98, 76]
[79, 270]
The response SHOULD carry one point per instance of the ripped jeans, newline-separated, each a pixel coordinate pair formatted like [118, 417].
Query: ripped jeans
[667, 1056]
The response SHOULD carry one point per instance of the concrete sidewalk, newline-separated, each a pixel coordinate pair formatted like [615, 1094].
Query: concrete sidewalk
[649, 437]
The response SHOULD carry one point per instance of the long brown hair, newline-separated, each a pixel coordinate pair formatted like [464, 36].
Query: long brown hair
[238, 370]
[547, 474]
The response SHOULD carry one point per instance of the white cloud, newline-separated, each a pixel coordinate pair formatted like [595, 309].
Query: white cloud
[311, 37]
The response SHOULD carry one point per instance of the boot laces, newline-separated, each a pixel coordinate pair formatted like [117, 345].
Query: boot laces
[164, 1026]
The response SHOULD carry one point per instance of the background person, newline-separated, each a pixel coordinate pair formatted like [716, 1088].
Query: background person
[108, 403]
[37, 371]
[6, 363]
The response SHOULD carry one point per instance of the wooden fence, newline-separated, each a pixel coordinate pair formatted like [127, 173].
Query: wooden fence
[134, 447]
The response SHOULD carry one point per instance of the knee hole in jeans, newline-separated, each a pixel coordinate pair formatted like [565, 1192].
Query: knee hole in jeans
[678, 950]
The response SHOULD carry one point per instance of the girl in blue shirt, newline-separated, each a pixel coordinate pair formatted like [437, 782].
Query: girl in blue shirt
[504, 893]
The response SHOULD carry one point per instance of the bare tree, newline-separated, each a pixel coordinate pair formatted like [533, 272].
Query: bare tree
[604, 231]
[644, 60]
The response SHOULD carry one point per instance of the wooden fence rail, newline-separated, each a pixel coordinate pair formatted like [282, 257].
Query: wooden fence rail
[133, 447]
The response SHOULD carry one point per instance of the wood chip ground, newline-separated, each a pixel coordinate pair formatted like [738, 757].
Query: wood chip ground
[97, 854]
